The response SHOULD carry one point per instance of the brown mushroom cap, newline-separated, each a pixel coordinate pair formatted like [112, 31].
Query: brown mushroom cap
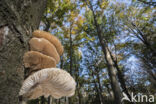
[50, 81]
[54, 40]
[44, 46]
[36, 61]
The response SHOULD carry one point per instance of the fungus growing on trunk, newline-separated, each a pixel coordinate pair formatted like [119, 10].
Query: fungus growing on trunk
[50, 81]
[54, 40]
[44, 46]
[43, 78]
[36, 61]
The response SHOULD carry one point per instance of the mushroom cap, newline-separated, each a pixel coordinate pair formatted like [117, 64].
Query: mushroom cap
[36, 61]
[50, 81]
[44, 46]
[53, 39]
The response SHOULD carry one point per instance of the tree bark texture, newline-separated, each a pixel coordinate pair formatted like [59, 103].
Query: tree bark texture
[18, 18]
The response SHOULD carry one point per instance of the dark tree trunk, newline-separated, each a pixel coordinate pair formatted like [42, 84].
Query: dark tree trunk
[71, 61]
[148, 58]
[18, 18]
[110, 66]
[100, 87]
[97, 89]
[149, 3]
[112, 74]
[43, 100]
[120, 76]
[50, 99]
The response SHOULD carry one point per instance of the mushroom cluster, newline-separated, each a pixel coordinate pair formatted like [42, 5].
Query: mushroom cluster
[44, 79]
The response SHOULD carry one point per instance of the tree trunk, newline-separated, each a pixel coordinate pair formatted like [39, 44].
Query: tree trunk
[50, 99]
[100, 87]
[112, 74]
[110, 66]
[43, 100]
[148, 59]
[97, 89]
[18, 19]
[120, 76]
[71, 61]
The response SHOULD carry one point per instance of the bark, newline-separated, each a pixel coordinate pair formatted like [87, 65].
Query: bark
[71, 61]
[97, 89]
[120, 76]
[110, 67]
[18, 19]
[99, 84]
[98, 92]
[79, 92]
[112, 74]
[108, 90]
[50, 99]
[43, 100]
[148, 3]
[79, 95]
[78, 83]
[47, 25]
[141, 36]
[148, 59]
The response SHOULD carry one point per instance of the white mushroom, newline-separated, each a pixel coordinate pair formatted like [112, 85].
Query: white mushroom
[50, 81]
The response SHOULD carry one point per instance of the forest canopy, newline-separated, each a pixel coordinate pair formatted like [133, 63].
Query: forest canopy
[106, 39]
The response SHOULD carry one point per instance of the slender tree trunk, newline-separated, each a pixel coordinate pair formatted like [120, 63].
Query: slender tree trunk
[66, 100]
[149, 3]
[108, 90]
[150, 62]
[78, 83]
[79, 95]
[18, 19]
[99, 85]
[77, 80]
[97, 88]
[71, 61]
[110, 67]
[120, 76]
[42, 100]
[50, 99]
[112, 74]
[59, 101]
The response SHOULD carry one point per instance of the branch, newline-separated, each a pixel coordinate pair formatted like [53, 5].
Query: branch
[148, 3]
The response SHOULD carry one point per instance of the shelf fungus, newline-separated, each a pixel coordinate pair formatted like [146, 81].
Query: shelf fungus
[34, 61]
[44, 46]
[44, 79]
[50, 81]
[54, 40]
